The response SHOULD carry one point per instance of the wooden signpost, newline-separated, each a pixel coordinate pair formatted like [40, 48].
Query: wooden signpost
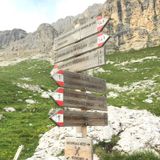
[80, 98]
[78, 148]
[84, 62]
[79, 81]
[81, 47]
[93, 26]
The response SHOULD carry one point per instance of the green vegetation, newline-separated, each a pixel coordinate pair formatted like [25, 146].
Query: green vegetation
[30, 120]
[125, 69]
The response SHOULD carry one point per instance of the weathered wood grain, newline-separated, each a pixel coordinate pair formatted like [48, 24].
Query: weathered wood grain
[78, 148]
[83, 82]
[75, 99]
[79, 48]
[78, 118]
[77, 34]
[84, 62]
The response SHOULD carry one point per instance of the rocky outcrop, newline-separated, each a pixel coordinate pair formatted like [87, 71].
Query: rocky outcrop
[40, 41]
[7, 37]
[136, 23]
[137, 130]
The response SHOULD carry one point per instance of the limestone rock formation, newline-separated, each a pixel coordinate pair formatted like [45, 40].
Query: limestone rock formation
[39, 41]
[137, 130]
[136, 23]
[7, 37]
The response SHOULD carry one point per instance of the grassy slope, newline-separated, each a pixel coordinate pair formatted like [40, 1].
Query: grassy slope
[25, 125]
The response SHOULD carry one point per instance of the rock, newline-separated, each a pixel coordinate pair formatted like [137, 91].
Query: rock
[7, 37]
[9, 109]
[135, 23]
[149, 100]
[30, 101]
[40, 41]
[137, 129]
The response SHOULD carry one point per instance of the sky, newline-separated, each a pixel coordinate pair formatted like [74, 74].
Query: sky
[29, 14]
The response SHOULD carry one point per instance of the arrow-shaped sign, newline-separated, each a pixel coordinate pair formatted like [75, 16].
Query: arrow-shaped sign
[101, 22]
[76, 99]
[57, 95]
[88, 29]
[102, 38]
[73, 80]
[82, 47]
[78, 118]
[58, 117]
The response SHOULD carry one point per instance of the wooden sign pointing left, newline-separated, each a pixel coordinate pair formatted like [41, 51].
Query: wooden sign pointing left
[67, 118]
[75, 99]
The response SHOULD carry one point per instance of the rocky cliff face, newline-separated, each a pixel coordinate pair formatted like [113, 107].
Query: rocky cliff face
[39, 41]
[136, 23]
[7, 37]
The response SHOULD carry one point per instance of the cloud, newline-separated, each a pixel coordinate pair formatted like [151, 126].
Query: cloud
[73, 7]
[29, 14]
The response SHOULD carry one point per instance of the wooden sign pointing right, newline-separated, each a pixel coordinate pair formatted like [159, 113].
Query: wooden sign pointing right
[92, 27]
[81, 47]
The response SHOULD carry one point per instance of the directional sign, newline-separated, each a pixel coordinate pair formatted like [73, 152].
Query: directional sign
[90, 28]
[77, 118]
[58, 117]
[78, 148]
[79, 81]
[81, 47]
[58, 95]
[76, 99]
[89, 60]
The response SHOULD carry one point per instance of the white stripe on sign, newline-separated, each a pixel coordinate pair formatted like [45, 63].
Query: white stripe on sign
[57, 96]
[101, 22]
[58, 77]
[102, 39]
[58, 118]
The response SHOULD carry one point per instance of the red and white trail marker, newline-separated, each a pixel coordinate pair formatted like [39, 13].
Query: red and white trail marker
[101, 22]
[58, 95]
[58, 117]
[102, 38]
[59, 77]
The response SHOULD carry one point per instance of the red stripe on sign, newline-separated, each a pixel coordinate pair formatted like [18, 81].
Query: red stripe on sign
[100, 44]
[60, 72]
[60, 112]
[60, 90]
[100, 34]
[60, 124]
[99, 17]
[99, 28]
[60, 83]
[60, 103]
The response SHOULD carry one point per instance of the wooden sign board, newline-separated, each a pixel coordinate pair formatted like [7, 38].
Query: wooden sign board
[84, 62]
[78, 148]
[92, 27]
[66, 118]
[81, 47]
[79, 81]
[76, 99]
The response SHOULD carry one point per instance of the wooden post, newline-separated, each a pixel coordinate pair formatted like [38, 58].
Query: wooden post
[19, 150]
